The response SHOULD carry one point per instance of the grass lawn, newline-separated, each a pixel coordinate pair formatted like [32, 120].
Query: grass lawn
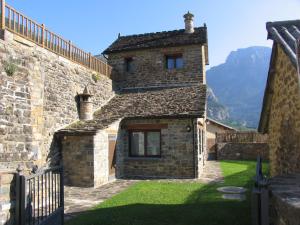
[163, 203]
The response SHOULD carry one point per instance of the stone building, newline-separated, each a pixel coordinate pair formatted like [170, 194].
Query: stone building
[153, 125]
[38, 91]
[212, 128]
[280, 118]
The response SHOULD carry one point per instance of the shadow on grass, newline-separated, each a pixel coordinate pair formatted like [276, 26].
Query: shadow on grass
[204, 206]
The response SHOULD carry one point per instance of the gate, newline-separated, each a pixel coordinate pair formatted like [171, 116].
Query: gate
[260, 197]
[40, 198]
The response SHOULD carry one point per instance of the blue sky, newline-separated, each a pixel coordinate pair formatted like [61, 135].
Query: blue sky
[94, 24]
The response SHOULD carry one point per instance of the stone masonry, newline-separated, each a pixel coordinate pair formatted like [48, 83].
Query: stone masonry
[38, 99]
[177, 159]
[147, 92]
[285, 117]
[85, 156]
[7, 198]
[285, 198]
[242, 151]
[149, 67]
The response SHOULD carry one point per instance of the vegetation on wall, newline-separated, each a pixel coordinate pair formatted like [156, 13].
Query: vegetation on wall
[95, 77]
[10, 67]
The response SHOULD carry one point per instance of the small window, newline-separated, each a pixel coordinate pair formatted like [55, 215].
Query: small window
[144, 144]
[128, 64]
[174, 61]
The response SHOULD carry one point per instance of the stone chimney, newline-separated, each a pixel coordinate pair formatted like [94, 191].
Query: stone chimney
[85, 105]
[189, 23]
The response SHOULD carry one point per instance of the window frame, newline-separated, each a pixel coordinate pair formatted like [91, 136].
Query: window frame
[127, 61]
[174, 58]
[144, 131]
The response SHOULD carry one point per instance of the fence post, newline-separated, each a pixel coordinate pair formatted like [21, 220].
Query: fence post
[43, 35]
[2, 14]
[20, 198]
[90, 60]
[62, 192]
[69, 49]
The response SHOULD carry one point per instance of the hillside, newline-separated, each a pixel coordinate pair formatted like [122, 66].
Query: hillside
[238, 85]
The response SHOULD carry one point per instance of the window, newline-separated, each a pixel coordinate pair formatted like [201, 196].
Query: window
[128, 64]
[174, 61]
[144, 143]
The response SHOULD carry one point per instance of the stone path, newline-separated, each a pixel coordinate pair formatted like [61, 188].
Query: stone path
[212, 172]
[79, 199]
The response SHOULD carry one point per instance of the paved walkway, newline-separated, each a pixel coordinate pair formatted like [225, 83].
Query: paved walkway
[78, 199]
[212, 172]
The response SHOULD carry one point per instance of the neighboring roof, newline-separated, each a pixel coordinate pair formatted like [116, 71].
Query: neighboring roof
[220, 124]
[286, 34]
[101, 57]
[185, 102]
[159, 39]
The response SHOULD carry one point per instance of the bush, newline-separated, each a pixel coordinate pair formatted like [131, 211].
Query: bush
[10, 68]
[95, 77]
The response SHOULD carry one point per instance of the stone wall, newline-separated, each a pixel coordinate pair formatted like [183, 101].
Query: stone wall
[149, 67]
[78, 159]
[37, 99]
[284, 121]
[101, 175]
[285, 200]
[7, 198]
[178, 159]
[212, 129]
[238, 145]
[201, 148]
[85, 156]
[242, 151]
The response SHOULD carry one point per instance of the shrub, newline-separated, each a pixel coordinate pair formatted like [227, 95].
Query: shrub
[10, 68]
[95, 77]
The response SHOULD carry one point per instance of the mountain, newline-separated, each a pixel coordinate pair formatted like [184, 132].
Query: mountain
[239, 83]
[215, 110]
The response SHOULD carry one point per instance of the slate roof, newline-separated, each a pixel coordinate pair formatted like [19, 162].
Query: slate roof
[173, 102]
[159, 39]
[220, 124]
[285, 33]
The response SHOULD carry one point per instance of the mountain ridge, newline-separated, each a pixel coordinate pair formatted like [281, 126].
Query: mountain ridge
[238, 85]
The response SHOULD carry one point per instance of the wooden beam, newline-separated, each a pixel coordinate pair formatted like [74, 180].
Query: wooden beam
[145, 126]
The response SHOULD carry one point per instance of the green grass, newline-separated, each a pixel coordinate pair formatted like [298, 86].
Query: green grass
[163, 203]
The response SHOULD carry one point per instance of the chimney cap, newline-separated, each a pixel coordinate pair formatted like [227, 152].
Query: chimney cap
[86, 92]
[188, 16]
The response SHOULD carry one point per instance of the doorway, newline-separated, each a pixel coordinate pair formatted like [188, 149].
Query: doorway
[112, 140]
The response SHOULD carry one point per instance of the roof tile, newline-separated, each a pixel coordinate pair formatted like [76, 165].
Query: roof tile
[158, 39]
[185, 101]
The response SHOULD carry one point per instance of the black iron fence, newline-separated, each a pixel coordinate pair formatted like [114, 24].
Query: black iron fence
[40, 198]
[260, 197]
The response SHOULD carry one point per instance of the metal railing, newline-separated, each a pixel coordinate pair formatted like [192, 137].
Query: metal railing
[260, 197]
[40, 197]
[18, 23]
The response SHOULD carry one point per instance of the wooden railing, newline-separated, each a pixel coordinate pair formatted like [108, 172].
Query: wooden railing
[241, 137]
[20, 24]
